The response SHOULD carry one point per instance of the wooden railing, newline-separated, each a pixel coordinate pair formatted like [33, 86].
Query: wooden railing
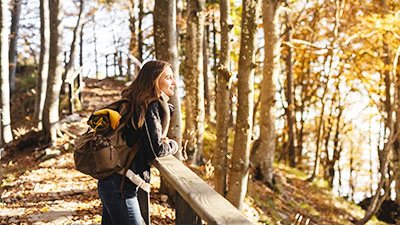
[75, 87]
[196, 200]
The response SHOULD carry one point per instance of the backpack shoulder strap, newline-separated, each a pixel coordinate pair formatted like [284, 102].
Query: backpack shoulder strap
[126, 172]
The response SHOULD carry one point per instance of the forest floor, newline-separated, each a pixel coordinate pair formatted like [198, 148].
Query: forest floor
[40, 185]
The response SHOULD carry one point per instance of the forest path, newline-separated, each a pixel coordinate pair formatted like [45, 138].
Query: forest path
[36, 190]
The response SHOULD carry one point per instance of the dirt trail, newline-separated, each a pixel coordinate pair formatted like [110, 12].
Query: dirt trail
[39, 191]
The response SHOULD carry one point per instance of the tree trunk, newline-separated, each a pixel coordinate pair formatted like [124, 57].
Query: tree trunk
[69, 68]
[81, 46]
[133, 50]
[263, 157]
[41, 85]
[326, 162]
[238, 176]
[317, 159]
[351, 182]
[214, 53]
[320, 125]
[290, 98]
[337, 149]
[206, 71]
[304, 98]
[13, 56]
[396, 144]
[95, 48]
[54, 81]
[384, 154]
[165, 38]
[140, 33]
[194, 82]
[371, 179]
[223, 101]
[5, 118]
[384, 184]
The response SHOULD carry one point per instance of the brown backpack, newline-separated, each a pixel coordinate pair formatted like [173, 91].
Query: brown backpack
[102, 150]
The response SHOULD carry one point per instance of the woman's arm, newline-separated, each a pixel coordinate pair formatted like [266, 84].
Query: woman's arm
[151, 134]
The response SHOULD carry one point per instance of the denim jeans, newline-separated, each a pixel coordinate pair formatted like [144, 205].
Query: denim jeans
[117, 210]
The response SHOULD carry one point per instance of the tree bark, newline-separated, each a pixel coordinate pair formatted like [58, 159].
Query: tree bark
[13, 56]
[206, 72]
[133, 49]
[41, 85]
[95, 47]
[5, 118]
[194, 82]
[238, 176]
[69, 68]
[54, 81]
[289, 97]
[223, 101]
[140, 34]
[263, 157]
[215, 54]
[165, 38]
[396, 144]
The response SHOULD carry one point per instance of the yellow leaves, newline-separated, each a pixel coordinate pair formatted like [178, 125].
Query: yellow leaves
[313, 98]
[97, 219]
[45, 209]
[381, 24]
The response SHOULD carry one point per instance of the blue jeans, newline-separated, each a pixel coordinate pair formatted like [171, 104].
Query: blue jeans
[117, 210]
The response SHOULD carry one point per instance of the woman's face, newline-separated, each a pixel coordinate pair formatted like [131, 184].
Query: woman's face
[166, 82]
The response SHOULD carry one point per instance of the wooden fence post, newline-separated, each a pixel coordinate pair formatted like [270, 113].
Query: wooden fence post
[70, 97]
[184, 214]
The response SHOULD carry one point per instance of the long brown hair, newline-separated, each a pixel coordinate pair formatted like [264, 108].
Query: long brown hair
[144, 89]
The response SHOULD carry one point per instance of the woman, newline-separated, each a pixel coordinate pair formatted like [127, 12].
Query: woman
[150, 117]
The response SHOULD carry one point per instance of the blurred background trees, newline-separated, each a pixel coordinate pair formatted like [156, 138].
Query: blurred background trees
[324, 97]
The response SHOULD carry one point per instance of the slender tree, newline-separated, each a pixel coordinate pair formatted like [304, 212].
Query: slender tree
[238, 176]
[95, 45]
[194, 82]
[206, 70]
[320, 127]
[54, 81]
[389, 107]
[307, 89]
[165, 37]
[69, 68]
[337, 149]
[223, 100]
[289, 96]
[328, 73]
[41, 85]
[263, 157]
[133, 50]
[15, 15]
[396, 144]
[140, 33]
[5, 126]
